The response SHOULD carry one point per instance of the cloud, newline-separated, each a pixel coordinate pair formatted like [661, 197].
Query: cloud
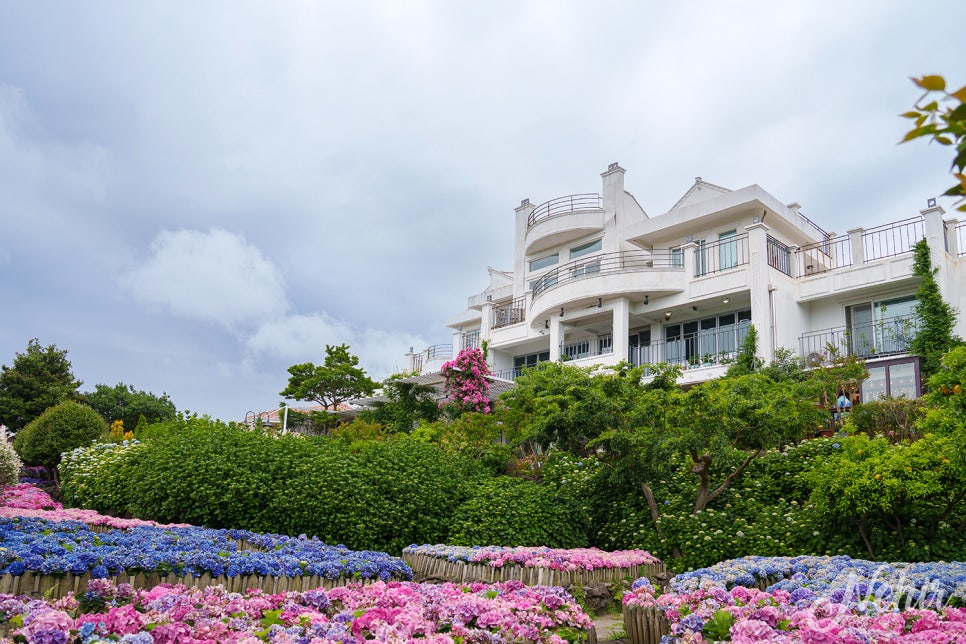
[302, 338]
[214, 276]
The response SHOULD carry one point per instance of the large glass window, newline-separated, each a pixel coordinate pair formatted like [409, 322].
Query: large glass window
[585, 249]
[677, 257]
[892, 378]
[881, 327]
[543, 262]
[708, 340]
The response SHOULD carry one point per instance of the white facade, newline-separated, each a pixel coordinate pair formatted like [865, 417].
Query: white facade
[596, 280]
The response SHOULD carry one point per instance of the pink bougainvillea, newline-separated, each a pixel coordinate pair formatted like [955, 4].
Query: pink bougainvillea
[467, 388]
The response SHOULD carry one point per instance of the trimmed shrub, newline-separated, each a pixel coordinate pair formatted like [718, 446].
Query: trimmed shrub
[99, 477]
[59, 429]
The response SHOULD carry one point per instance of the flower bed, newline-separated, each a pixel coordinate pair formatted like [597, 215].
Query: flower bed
[28, 500]
[381, 612]
[39, 556]
[531, 565]
[810, 599]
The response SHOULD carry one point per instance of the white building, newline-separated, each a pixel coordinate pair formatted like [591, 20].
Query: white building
[596, 280]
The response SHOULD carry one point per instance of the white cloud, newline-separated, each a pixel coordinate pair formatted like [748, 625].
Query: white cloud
[215, 276]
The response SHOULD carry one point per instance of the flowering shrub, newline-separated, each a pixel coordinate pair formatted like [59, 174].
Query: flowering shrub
[553, 558]
[48, 547]
[10, 463]
[381, 612]
[467, 388]
[99, 476]
[930, 582]
[813, 599]
[752, 615]
[27, 500]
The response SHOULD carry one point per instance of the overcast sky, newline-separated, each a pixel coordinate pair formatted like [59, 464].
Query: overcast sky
[196, 195]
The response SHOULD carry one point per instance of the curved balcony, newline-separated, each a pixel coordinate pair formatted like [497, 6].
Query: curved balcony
[564, 219]
[607, 274]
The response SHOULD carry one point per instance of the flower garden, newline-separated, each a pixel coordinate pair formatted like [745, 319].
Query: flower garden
[137, 581]
[803, 599]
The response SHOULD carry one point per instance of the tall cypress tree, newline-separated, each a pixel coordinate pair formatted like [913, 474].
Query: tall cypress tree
[937, 317]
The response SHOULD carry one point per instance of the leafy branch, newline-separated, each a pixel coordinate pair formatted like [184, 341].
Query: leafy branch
[944, 121]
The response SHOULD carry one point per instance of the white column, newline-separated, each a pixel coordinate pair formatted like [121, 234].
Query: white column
[858, 246]
[936, 238]
[556, 337]
[758, 283]
[621, 327]
[486, 322]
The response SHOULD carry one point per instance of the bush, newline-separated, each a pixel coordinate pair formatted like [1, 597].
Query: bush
[59, 429]
[99, 477]
[10, 463]
[508, 511]
[367, 495]
[894, 418]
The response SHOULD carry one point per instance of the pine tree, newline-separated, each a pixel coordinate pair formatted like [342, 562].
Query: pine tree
[936, 316]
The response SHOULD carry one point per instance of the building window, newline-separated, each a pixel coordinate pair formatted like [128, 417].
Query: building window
[543, 262]
[677, 257]
[897, 378]
[881, 327]
[709, 340]
[529, 360]
[585, 249]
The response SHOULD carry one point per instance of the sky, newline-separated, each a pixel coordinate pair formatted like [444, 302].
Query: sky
[195, 196]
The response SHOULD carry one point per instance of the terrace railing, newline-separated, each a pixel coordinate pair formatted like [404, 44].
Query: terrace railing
[886, 337]
[589, 347]
[510, 313]
[604, 263]
[779, 256]
[826, 255]
[708, 348]
[892, 239]
[471, 340]
[565, 206]
[721, 255]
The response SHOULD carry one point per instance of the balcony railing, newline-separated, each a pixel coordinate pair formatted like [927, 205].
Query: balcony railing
[779, 256]
[471, 340]
[892, 239]
[565, 206]
[707, 348]
[510, 313]
[826, 255]
[604, 263]
[886, 337]
[721, 255]
[961, 238]
[600, 345]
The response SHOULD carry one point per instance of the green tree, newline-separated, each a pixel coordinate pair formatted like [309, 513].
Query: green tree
[937, 317]
[406, 404]
[335, 381]
[747, 360]
[125, 403]
[59, 429]
[38, 380]
[567, 406]
[944, 124]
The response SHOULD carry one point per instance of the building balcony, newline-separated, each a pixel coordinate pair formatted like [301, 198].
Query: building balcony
[562, 220]
[879, 339]
[606, 274]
